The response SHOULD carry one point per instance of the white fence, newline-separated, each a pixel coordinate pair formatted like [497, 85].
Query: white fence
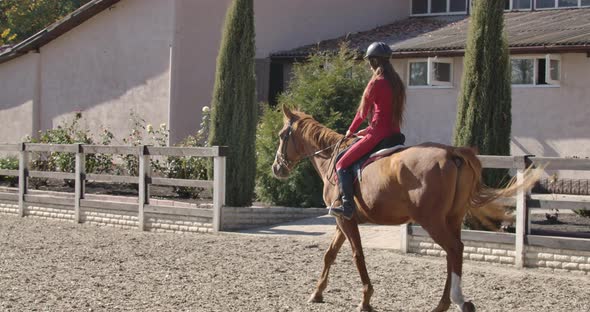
[522, 248]
[144, 180]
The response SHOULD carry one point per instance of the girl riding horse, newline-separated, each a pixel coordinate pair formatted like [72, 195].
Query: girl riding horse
[383, 104]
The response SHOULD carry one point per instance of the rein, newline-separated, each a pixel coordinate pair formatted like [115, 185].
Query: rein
[282, 159]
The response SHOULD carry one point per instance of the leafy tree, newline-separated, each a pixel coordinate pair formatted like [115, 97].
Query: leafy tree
[20, 19]
[234, 108]
[484, 115]
[328, 87]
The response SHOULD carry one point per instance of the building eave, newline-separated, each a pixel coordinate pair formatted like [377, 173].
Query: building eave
[53, 31]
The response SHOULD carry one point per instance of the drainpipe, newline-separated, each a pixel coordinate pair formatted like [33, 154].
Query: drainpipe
[36, 109]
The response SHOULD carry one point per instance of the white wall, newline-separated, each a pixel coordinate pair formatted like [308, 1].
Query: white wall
[546, 121]
[280, 25]
[128, 57]
[114, 63]
[288, 24]
[430, 112]
[18, 82]
[197, 37]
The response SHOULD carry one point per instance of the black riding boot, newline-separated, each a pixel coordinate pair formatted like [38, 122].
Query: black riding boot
[346, 184]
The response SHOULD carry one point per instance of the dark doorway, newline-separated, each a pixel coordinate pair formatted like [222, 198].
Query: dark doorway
[276, 83]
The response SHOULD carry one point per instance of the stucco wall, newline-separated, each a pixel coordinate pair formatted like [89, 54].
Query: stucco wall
[18, 85]
[553, 122]
[280, 25]
[288, 24]
[430, 111]
[149, 55]
[546, 121]
[116, 62]
[197, 37]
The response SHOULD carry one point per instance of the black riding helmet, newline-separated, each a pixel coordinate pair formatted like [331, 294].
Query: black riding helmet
[378, 49]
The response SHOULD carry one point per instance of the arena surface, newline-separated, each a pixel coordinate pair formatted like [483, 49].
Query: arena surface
[59, 266]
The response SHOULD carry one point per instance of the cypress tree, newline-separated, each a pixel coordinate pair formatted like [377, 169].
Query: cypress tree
[234, 109]
[484, 115]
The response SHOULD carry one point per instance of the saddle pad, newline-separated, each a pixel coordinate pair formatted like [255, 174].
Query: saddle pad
[365, 161]
[386, 151]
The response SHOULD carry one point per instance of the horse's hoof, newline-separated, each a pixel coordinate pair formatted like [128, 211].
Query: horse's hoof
[468, 307]
[316, 298]
[365, 308]
[442, 307]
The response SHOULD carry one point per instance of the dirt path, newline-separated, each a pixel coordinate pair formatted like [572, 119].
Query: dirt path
[59, 266]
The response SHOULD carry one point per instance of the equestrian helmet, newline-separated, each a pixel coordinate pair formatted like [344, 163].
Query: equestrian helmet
[378, 49]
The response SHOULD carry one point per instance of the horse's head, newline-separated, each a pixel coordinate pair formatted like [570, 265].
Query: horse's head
[287, 154]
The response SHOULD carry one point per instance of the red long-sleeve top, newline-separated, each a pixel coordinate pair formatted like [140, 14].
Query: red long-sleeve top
[378, 98]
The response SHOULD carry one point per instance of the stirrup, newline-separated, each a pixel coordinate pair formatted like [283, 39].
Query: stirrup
[339, 212]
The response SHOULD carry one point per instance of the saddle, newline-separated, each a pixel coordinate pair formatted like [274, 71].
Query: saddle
[386, 147]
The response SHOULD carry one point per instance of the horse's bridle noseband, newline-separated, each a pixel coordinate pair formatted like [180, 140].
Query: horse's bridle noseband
[281, 157]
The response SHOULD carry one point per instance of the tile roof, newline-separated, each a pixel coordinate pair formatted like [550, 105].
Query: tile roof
[56, 29]
[563, 30]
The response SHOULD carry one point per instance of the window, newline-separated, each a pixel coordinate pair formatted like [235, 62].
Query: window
[419, 6]
[567, 3]
[418, 73]
[551, 4]
[438, 7]
[553, 68]
[536, 70]
[543, 4]
[433, 71]
[521, 4]
[518, 5]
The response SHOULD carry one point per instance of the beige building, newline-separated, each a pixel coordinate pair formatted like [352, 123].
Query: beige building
[153, 57]
[550, 56]
[157, 58]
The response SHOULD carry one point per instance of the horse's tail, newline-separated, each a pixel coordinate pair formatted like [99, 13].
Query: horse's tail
[482, 199]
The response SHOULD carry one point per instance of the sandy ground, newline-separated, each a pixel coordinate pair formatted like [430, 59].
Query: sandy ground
[60, 266]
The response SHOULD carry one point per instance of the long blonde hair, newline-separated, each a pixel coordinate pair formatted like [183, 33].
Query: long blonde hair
[382, 66]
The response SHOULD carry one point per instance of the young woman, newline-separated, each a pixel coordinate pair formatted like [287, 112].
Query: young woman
[383, 106]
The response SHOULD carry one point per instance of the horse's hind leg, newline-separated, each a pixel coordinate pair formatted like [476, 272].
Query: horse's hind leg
[450, 241]
[445, 300]
[329, 258]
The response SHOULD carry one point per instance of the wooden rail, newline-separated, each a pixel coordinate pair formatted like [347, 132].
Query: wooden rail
[524, 203]
[144, 179]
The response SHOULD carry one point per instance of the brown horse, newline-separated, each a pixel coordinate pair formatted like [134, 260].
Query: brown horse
[432, 184]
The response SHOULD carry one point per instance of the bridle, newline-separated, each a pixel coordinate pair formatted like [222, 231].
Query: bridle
[281, 157]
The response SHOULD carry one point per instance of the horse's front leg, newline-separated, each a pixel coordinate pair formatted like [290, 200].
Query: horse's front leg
[351, 230]
[329, 258]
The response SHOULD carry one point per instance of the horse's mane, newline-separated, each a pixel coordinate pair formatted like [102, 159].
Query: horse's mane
[316, 132]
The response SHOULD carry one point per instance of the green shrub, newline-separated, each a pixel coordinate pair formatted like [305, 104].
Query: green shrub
[582, 213]
[141, 133]
[192, 167]
[65, 133]
[329, 87]
[484, 105]
[234, 108]
[9, 163]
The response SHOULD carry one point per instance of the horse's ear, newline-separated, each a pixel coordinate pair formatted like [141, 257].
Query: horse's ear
[287, 112]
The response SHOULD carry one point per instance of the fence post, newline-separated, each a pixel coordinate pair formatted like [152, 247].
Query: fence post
[521, 213]
[218, 188]
[23, 173]
[143, 188]
[528, 164]
[80, 181]
[404, 237]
